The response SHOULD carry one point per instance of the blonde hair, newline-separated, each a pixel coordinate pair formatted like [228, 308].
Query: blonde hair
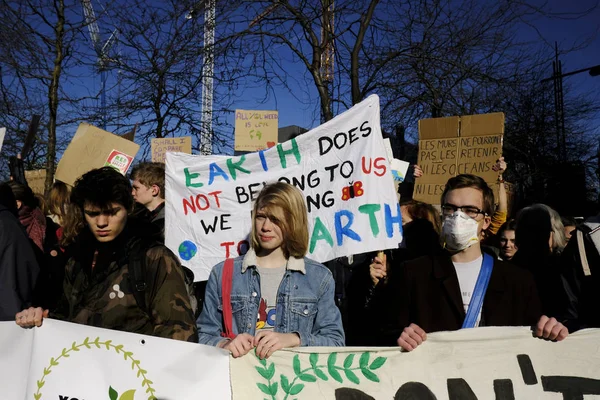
[293, 220]
[58, 198]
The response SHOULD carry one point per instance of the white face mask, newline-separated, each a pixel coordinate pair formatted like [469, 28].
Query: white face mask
[459, 231]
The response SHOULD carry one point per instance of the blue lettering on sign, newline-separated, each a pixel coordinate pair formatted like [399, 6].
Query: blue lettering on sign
[344, 230]
[215, 170]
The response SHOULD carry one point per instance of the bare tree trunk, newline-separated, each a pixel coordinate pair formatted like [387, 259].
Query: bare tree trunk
[357, 95]
[59, 31]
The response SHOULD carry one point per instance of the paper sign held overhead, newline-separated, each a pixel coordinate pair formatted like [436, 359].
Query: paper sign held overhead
[92, 148]
[161, 146]
[255, 130]
[457, 145]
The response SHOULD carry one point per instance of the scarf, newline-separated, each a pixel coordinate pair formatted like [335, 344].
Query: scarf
[34, 222]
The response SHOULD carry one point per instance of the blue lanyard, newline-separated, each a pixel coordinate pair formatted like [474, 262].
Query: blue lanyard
[479, 292]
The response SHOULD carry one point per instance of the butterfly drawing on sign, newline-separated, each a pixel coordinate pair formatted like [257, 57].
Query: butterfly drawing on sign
[352, 190]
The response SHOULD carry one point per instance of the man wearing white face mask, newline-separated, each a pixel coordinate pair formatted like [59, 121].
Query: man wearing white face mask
[462, 287]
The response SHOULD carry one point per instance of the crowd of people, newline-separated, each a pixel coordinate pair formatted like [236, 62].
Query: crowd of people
[94, 254]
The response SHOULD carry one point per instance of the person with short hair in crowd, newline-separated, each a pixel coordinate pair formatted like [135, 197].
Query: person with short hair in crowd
[117, 276]
[507, 241]
[148, 190]
[278, 298]
[462, 287]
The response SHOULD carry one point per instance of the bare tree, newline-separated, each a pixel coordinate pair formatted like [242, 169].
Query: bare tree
[160, 68]
[34, 66]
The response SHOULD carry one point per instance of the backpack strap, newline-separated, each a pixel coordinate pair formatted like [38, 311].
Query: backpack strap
[226, 284]
[581, 247]
[137, 273]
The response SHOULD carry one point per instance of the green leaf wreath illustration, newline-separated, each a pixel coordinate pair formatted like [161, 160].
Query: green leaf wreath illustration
[292, 385]
[87, 344]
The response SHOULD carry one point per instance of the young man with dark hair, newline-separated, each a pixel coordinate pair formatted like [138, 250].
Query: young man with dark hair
[117, 276]
[148, 190]
[462, 287]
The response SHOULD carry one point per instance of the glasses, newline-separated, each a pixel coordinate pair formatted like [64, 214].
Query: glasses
[473, 212]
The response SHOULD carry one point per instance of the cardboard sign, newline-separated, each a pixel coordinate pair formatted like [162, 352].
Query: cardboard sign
[341, 168]
[91, 148]
[36, 180]
[470, 364]
[161, 146]
[457, 145]
[255, 130]
[2, 134]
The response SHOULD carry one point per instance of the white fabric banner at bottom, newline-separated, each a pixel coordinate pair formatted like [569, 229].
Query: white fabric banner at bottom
[471, 364]
[64, 361]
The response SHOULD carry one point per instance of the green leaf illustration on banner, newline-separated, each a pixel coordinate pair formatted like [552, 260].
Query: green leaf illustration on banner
[128, 395]
[112, 393]
[377, 363]
[290, 385]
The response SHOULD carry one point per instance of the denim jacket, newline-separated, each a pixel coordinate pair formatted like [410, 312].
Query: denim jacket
[305, 303]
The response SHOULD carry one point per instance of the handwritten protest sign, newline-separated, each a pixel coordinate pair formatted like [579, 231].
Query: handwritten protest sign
[470, 364]
[255, 130]
[341, 167]
[161, 146]
[457, 145]
[91, 148]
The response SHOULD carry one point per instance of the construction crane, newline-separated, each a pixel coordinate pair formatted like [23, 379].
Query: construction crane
[102, 51]
[206, 138]
[328, 54]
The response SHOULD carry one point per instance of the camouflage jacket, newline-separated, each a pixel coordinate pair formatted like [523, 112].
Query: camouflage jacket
[103, 296]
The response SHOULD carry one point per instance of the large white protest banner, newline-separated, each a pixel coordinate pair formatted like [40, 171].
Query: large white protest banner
[64, 361]
[471, 364]
[340, 166]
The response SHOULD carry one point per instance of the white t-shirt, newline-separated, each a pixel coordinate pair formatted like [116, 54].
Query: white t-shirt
[467, 278]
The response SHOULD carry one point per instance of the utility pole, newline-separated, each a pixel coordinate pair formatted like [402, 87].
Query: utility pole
[559, 101]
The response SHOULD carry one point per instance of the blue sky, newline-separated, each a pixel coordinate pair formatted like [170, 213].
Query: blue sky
[545, 31]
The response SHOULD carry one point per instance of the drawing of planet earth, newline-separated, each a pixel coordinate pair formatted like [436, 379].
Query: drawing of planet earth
[187, 250]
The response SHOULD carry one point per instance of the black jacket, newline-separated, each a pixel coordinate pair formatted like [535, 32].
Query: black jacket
[18, 267]
[582, 287]
[426, 292]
